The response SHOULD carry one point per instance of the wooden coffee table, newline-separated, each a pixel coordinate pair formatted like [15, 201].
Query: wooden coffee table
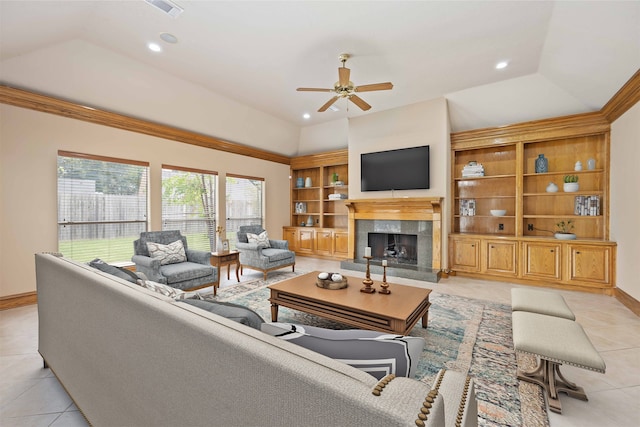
[395, 313]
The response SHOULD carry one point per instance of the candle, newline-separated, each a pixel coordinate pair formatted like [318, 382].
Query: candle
[384, 262]
[367, 251]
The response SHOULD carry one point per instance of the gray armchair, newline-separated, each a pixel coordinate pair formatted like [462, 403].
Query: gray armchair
[197, 272]
[257, 257]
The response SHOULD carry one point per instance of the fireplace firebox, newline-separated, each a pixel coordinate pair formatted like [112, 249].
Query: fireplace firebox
[393, 247]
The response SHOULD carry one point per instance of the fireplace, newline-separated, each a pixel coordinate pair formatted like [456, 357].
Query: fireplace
[395, 248]
[406, 232]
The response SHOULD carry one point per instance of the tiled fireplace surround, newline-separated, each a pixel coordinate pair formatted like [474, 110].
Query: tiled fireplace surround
[414, 216]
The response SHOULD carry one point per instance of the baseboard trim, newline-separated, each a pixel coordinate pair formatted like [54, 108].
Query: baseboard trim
[628, 301]
[18, 300]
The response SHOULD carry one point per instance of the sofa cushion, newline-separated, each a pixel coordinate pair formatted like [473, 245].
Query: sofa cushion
[261, 239]
[181, 272]
[376, 353]
[238, 313]
[122, 273]
[167, 254]
[163, 289]
[277, 254]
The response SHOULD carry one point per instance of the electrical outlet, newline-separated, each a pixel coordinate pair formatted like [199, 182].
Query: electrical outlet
[500, 226]
[530, 227]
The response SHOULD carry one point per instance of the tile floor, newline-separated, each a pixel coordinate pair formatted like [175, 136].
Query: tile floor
[31, 395]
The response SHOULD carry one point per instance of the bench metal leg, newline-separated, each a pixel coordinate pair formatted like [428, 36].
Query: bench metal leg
[547, 375]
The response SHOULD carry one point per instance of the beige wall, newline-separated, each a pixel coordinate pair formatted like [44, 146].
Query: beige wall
[29, 142]
[625, 199]
[423, 123]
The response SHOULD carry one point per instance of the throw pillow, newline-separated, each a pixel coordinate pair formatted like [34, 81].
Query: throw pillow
[167, 254]
[261, 239]
[376, 353]
[122, 273]
[163, 289]
[238, 313]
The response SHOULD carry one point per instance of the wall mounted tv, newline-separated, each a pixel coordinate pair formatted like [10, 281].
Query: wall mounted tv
[402, 169]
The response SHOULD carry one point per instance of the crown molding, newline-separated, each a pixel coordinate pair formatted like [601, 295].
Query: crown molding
[624, 99]
[46, 104]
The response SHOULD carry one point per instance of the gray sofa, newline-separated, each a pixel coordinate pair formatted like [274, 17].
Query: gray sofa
[129, 356]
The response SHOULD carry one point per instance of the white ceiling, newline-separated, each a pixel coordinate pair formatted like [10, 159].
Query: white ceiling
[564, 57]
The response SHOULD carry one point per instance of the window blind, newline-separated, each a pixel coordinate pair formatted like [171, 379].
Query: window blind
[244, 202]
[189, 205]
[102, 206]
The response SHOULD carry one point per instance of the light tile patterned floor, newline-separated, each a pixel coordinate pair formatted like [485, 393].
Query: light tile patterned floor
[31, 395]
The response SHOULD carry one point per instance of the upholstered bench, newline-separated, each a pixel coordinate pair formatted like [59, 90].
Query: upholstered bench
[541, 302]
[555, 341]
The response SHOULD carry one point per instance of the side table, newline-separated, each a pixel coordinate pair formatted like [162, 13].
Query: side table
[220, 259]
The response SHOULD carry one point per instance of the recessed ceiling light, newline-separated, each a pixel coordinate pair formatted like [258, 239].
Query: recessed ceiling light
[501, 65]
[306, 115]
[169, 38]
[155, 47]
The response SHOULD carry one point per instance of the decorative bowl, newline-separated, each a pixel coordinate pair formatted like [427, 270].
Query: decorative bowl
[330, 284]
[498, 212]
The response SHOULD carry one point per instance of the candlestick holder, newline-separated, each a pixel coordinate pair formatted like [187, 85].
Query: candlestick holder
[384, 285]
[367, 281]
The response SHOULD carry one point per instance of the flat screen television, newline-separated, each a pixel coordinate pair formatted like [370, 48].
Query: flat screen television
[402, 169]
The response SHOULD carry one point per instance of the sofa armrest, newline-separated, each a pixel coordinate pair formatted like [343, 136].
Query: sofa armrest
[149, 267]
[279, 244]
[200, 257]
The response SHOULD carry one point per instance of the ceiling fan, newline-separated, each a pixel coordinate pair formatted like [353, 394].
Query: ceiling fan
[344, 88]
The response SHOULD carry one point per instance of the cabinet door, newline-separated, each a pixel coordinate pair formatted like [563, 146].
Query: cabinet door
[465, 254]
[324, 242]
[589, 263]
[306, 240]
[541, 260]
[501, 257]
[341, 243]
[290, 234]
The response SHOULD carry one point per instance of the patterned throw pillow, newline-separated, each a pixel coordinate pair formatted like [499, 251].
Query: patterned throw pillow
[165, 290]
[167, 254]
[261, 239]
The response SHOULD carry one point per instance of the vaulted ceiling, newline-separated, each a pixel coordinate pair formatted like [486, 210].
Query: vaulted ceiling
[564, 57]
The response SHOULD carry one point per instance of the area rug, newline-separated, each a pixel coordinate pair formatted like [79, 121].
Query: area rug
[466, 335]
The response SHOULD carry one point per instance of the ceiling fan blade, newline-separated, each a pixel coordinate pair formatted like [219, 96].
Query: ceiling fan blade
[328, 104]
[343, 76]
[313, 89]
[375, 86]
[359, 102]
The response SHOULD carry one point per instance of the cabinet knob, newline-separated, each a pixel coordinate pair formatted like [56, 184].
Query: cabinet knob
[551, 251]
[473, 246]
[577, 252]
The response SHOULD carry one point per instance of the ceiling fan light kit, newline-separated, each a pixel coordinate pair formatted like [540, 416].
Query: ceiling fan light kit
[344, 88]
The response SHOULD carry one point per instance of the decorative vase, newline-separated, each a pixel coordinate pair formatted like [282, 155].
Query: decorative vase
[570, 187]
[307, 182]
[552, 188]
[591, 164]
[542, 164]
[578, 166]
[309, 221]
[299, 183]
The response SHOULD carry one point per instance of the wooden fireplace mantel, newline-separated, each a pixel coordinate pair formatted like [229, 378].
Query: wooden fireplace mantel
[407, 209]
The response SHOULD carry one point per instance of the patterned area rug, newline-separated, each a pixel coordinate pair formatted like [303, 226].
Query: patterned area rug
[467, 335]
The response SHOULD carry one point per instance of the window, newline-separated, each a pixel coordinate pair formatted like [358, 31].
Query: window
[244, 204]
[102, 206]
[189, 205]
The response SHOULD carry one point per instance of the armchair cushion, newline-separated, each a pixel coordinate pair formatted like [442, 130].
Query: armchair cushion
[261, 239]
[167, 254]
[276, 254]
[184, 271]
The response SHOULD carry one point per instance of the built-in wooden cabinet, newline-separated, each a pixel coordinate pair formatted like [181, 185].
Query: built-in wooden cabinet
[495, 169]
[319, 217]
